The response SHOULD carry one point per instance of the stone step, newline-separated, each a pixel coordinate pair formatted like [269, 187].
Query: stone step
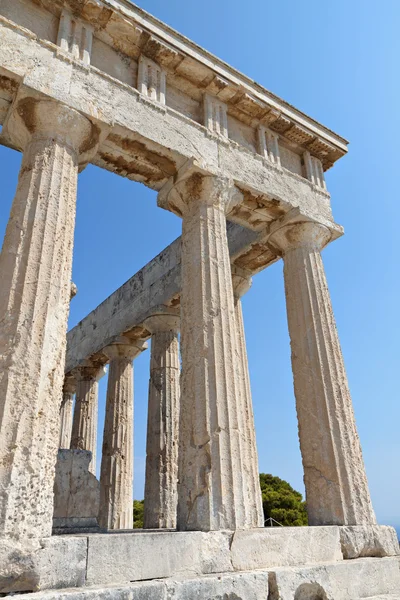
[358, 579]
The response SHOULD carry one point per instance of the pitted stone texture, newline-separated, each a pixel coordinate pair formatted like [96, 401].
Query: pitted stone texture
[241, 282]
[66, 414]
[374, 540]
[238, 586]
[161, 493]
[334, 474]
[116, 478]
[281, 546]
[84, 424]
[76, 491]
[211, 487]
[346, 580]
[119, 557]
[35, 264]
[55, 563]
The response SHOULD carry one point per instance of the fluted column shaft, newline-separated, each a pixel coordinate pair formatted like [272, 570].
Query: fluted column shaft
[35, 266]
[160, 496]
[85, 421]
[241, 284]
[116, 477]
[211, 488]
[334, 475]
[66, 414]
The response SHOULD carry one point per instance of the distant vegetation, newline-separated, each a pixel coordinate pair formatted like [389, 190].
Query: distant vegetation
[281, 503]
[138, 508]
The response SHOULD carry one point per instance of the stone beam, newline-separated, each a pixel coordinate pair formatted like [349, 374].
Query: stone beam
[148, 142]
[157, 284]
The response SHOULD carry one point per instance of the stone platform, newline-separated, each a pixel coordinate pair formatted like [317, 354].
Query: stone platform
[345, 562]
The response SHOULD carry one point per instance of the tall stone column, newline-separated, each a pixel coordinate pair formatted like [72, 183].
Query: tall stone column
[66, 413]
[35, 266]
[161, 493]
[84, 425]
[241, 281]
[334, 475]
[116, 479]
[212, 492]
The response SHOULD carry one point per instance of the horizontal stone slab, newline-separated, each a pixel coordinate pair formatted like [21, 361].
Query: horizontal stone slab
[363, 541]
[345, 580]
[124, 557]
[119, 557]
[59, 562]
[280, 546]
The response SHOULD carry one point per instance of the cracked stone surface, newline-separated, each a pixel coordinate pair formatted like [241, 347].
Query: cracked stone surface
[116, 477]
[334, 474]
[85, 421]
[66, 414]
[212, 490]
[36, 263]
[161, 493]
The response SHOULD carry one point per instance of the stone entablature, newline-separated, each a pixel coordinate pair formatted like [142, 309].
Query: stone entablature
[75, 36]
[187, 79]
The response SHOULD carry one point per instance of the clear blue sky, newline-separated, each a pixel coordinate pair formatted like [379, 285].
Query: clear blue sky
[338, 62]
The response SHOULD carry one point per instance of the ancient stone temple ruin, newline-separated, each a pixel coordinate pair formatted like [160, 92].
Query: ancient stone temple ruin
[102, 82]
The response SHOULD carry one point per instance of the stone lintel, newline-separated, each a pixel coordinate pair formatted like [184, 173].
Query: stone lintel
[160, 282]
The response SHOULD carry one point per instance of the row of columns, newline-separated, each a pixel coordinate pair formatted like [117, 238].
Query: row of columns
[217, 471]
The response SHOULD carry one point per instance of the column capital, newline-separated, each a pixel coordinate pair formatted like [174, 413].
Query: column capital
[163, 321]
[33, 117]
[303, 234]
[194, 185]
[241, 281]
[125, 348]
[69, 386]
[89, 372]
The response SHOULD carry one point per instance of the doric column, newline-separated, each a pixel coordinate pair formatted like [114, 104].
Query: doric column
[35, 266]
[211, 487]
[66, 413]
[84, 425]
[116, 479]
[161, 493]
[334, 475]
[241, 281]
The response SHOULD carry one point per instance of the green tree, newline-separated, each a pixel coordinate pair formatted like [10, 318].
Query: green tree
[281, 502]
[138, 509]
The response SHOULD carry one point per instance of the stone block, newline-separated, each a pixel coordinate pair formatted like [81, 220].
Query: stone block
[58, 562]
[362, 541]
[76, 491]
[123, 557]
[237, 586]
[345, 580]
[281, 546]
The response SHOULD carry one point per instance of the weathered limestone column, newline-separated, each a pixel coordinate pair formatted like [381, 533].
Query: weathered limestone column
[212, 493]
[66, 413]
[241, 281]
[35, 266]
[334, 474]
[116, 479]
[161, 492]
[84, 425]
